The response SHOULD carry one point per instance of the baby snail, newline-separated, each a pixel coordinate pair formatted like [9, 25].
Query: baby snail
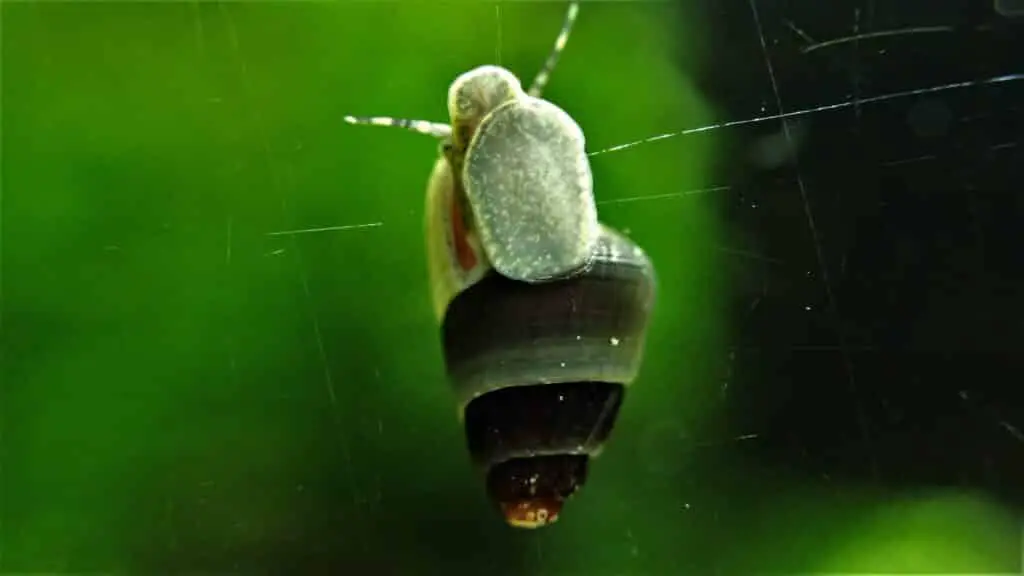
[543, 310]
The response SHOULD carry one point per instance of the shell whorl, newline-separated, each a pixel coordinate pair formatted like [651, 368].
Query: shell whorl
[501, 333]
[541, 370]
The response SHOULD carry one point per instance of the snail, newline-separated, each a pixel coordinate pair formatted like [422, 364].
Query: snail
[542, 309]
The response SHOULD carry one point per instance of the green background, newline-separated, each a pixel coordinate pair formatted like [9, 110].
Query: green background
[169, 368]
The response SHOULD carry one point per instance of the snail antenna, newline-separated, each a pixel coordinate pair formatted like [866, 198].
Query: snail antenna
[563, 38]
[435, 129]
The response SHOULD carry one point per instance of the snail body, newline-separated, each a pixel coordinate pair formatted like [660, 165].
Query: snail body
[539, 367]
[542, 309]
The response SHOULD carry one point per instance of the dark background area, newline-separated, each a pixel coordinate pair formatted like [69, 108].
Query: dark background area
[885, 333]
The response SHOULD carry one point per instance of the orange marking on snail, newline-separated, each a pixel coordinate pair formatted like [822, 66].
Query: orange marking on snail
[463, 251]
[533, 513]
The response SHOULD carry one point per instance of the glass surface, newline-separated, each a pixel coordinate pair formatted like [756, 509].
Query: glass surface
[834, 216]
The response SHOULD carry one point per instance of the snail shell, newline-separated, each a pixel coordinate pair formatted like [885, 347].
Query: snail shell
[539, 369]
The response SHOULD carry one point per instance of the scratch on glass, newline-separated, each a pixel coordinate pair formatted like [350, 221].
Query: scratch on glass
[326, 229]
[807, 111]
[879, 34]
[666, 195]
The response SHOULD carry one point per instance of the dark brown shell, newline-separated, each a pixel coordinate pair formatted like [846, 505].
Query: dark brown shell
[541, 369]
